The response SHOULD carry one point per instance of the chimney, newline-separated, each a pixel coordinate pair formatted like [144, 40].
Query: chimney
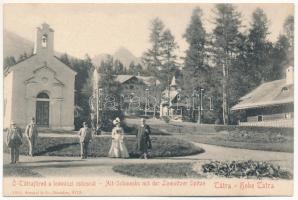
[290, 75]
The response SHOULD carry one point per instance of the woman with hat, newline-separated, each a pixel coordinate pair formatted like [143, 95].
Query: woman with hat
[118, 148]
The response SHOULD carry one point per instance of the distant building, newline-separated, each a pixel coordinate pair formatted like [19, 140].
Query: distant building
[271, 104]
[140, 94]
[40, 86]
[171, 106]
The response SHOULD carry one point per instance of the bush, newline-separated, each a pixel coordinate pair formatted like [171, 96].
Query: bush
[166, 119]
[246, 169]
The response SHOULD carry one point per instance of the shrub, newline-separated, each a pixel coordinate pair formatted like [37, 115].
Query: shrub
[246, 169]
[166, 119]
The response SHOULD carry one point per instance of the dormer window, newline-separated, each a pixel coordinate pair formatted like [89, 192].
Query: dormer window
[284, 89]
[44, 40]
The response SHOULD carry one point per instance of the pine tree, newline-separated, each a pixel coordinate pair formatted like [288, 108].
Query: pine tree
[195, 70]
[83, 86]
[110, 94]
[152, 58]
[169, 58]
[65, 59]
[118, 67]
[279, 57]
[9, 61]
[289, 29]
[224, 47]
[260, 47]
[289, 32]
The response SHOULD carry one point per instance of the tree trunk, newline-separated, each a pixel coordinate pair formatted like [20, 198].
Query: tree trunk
[224, 97]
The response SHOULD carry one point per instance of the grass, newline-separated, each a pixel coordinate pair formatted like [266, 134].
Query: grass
[160, 170]
[162, 146]
[253, 143]
[253, 138]
[18, 171]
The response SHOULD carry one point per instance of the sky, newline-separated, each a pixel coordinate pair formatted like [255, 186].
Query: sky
[103, 28]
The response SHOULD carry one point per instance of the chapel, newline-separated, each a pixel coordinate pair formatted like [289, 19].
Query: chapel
[40, 86]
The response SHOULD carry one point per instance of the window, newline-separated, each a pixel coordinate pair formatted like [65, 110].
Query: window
[43, 95]
[44, 40]
[131, 87]
[284, 89]
[260, 118]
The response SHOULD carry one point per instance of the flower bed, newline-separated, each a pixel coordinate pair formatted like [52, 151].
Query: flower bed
[246, 169]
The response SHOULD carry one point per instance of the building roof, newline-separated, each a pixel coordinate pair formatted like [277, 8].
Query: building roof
[11, 68]
[123, 78]
[172, 94]
[173, 82]
[148, 80]
[268, 94]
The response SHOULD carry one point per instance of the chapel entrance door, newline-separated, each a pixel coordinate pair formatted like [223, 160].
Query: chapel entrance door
[42, 110]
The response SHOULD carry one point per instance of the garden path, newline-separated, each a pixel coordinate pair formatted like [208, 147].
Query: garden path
[74, 166]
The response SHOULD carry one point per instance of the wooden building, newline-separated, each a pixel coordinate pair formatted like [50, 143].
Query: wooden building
[271, 104]
[140, 94]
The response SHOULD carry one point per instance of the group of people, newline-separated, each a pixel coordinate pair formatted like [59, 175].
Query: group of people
[118, 148]
[14, 139]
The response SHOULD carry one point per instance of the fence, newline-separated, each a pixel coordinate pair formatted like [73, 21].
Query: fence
[282, 123]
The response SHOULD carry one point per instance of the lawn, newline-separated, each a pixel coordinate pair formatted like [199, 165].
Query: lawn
[253, 143]
[254, 138]
[18, 171]
[158, 170]
[163, 146]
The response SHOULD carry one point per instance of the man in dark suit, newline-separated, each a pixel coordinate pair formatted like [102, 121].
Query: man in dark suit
[143, 139]
[14, 141]
[85, 138]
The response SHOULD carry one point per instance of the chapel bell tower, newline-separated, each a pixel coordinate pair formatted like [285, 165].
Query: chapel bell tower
[44, 43]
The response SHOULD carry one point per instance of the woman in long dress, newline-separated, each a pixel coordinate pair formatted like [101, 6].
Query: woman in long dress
[118, 148]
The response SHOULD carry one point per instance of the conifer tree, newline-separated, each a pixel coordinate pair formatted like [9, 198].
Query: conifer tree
[224, 48]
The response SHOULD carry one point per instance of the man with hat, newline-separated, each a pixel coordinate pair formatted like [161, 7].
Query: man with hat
[143, 139]
[85, 138]
[14, 141]
[32, 134]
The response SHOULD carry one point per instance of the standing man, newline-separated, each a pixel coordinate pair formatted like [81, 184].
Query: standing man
[85, 138]
[143, 139]
[14, 141]
[32, 134]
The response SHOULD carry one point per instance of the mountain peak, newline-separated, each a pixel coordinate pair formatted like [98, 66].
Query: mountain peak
[15, 45]
[122, 54]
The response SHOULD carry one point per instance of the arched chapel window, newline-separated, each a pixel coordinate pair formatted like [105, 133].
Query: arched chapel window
[43, 95]
[44, 40]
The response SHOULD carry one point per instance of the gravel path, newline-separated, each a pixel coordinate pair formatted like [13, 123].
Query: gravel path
[74, 166]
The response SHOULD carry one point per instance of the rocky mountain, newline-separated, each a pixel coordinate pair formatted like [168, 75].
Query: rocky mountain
[15, 45]
[122, 54]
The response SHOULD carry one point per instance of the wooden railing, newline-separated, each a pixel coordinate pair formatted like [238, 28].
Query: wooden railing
[288, 123]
